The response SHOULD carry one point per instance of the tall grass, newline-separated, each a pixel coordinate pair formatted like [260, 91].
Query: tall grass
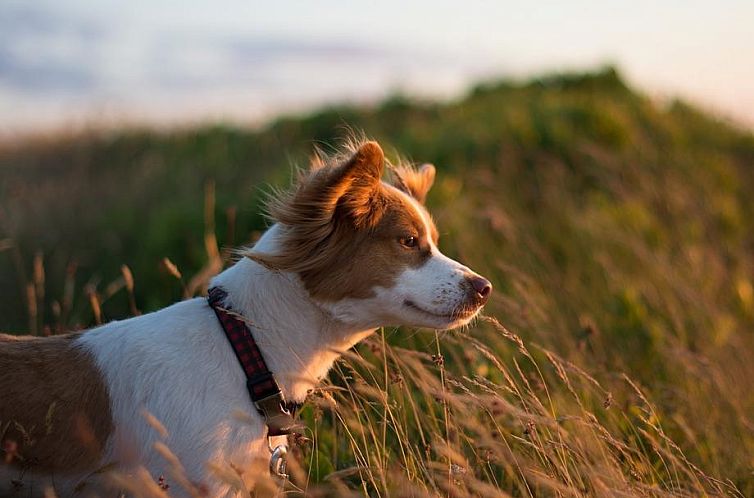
[614, 357]
[488, 418]
[476, 412]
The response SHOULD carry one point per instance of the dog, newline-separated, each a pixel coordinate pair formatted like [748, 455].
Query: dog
[346, 253]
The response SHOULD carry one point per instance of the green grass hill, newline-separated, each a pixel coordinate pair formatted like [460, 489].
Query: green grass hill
[618, 232]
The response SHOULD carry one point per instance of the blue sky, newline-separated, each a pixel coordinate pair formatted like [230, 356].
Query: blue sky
[168, 62]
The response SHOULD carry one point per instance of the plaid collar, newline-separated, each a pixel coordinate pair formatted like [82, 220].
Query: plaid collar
[263, 389]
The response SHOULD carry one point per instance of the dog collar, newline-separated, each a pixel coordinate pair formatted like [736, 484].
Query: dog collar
[263, 389]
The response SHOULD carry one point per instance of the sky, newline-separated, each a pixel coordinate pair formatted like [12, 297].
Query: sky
[66, 64]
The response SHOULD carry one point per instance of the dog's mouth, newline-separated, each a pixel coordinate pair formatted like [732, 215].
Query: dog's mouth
[459, 314]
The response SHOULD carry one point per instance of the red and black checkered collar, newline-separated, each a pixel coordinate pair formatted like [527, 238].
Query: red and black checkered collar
[263, 389]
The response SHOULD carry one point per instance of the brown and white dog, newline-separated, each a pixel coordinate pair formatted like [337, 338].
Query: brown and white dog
[347, 253]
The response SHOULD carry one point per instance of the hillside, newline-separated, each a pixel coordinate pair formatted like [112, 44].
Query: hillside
[618, 233]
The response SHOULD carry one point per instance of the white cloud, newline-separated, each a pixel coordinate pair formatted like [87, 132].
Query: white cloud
[170, 60]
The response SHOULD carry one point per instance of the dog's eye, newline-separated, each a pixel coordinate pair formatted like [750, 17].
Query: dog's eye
[409, 241]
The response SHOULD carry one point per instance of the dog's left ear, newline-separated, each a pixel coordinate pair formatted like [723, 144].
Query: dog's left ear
[324, 198]
[415, 182]
[352, 186]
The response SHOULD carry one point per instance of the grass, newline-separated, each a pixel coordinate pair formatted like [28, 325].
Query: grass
[614, 358]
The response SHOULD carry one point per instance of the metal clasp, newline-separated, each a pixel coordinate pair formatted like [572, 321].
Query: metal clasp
[278, 461]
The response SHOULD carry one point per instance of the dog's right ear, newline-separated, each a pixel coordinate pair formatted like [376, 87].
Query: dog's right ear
[414, 182]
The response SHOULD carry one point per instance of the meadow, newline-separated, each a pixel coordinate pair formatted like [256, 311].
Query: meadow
[614, 358]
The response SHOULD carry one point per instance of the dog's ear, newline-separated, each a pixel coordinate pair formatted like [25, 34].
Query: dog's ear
[351, 188]
[415, 182]
[322, 198]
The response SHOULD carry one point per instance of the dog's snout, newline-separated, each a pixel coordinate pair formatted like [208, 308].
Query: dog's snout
[482, 288]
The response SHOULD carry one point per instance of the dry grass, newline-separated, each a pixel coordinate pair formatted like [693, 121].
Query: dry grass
[477, 412]
[615, 358]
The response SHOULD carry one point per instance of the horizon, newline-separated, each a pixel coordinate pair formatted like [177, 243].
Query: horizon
[77, 66]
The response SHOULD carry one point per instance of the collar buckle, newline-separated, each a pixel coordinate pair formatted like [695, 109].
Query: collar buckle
[279, 420]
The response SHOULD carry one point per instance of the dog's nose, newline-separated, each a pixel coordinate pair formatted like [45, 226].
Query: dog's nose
[482, 287]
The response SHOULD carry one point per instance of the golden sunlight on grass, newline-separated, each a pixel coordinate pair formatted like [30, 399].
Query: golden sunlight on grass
[614, 359]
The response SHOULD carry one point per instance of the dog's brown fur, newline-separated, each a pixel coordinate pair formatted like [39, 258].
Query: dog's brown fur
[54, 406]
[415, 183]
[342, 200]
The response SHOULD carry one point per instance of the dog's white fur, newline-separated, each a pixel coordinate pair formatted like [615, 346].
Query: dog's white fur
[177, 365]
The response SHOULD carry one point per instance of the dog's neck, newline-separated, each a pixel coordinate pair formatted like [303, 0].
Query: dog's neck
[300, 341]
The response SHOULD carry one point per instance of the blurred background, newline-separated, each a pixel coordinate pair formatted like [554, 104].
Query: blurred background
[595, 161]
[78, 62]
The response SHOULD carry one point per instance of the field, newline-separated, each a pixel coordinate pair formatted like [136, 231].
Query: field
[614, 358]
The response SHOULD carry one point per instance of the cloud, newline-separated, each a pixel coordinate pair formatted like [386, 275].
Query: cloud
[44, 51]
[272, 49]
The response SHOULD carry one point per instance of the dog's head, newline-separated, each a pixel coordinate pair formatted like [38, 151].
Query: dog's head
[366, 250]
